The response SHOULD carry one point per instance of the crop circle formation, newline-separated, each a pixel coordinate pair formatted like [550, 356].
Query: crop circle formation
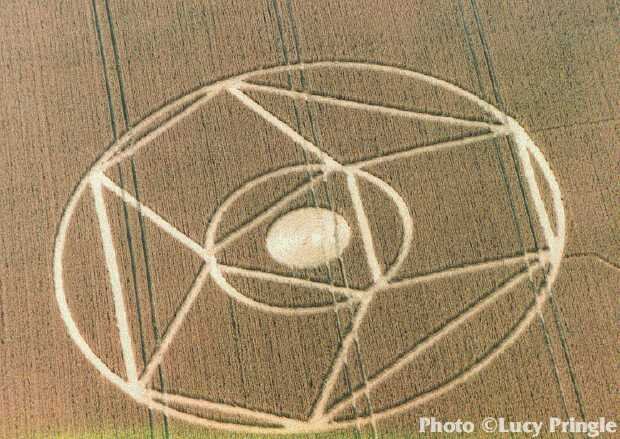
[300, 239]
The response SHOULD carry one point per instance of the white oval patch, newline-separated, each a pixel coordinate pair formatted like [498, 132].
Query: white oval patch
[308, 237]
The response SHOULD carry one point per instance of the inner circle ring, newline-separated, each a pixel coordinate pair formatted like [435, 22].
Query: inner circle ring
[404, 248]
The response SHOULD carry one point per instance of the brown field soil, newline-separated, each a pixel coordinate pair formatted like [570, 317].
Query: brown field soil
[444, 337]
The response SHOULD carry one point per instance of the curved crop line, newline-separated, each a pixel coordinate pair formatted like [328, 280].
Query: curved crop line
[162, 119]
[114, 278]
[219, 425]
[255, 107]
[146, 211]
[555, 240]
[74, 333]
[380, 279]
[485, 106]
[364, 227]
[155, 125]
[213, 270]
[135, 145]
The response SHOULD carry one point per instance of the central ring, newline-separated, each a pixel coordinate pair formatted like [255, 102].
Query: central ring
[278, 249]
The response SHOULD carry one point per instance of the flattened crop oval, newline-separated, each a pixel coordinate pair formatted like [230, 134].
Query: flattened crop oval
[308, 237]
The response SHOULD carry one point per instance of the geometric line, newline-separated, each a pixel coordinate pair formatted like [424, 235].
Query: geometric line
[185, 109]
[176, 323]
[362, 221]
[406, 222]
[379, 280]
[432, 339]
[163, 119]
[539, 204]
[284, 128]
[484, 361]
[218, 277]
[540, 256]
[428, 148]
[115, 282]
[318, 411]
[150, 214]
[282, 203]
[347, 103]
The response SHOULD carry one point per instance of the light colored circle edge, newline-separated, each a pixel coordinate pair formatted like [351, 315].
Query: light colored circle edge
[145, 125]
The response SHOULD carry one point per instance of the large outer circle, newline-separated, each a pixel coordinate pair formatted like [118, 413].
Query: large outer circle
[148, 128]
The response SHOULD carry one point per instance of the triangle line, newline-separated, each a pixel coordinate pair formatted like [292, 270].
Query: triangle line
[348, 103]
[319, 411]
[120, 308]
[257, 274]
[431, 340]
[154, 217]
[176, 323]
[428, 149]
[268, 213]
[283, 127]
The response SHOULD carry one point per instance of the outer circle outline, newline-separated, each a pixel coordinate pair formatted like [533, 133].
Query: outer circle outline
[145, 127]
